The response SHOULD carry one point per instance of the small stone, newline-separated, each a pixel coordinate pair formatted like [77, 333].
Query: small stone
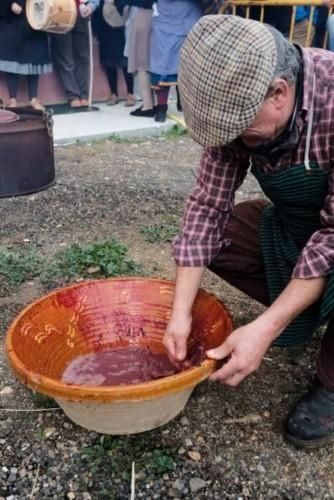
[218, 459]
[48, 432]
[178, 485]
[194, 455]
[181, 451]
[93, 269]
[188, 443]
[70, 495]
[184, 421]
[196, 484]
[6, 391]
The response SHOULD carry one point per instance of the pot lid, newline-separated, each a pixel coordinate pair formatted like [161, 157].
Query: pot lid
[7, 116]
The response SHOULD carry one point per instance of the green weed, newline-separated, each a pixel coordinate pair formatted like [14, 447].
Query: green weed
[43, 401]
[117, 454]
[103, 259]
[19, 265]
[174, 132]
[161, 233]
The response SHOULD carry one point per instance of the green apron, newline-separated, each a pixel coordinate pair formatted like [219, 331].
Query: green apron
[297, 197]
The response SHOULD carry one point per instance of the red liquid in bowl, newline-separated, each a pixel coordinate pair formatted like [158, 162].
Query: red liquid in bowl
[129, 365]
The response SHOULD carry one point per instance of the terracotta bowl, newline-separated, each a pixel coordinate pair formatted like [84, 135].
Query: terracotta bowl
[96, 315]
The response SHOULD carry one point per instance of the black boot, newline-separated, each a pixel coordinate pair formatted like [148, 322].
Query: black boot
[311, 422]
[160, 113]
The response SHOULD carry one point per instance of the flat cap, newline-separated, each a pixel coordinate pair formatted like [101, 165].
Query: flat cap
[226, 67]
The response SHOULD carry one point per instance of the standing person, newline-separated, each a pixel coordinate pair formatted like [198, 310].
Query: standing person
[23, 51]
[70, 54]
[254, 100]
[138, 51]
[330, 28]
[170, 26]
[108, 23]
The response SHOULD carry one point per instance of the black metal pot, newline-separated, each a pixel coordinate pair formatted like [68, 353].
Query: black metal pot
[26, 151]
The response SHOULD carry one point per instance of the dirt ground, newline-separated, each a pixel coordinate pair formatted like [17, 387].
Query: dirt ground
[228, 443]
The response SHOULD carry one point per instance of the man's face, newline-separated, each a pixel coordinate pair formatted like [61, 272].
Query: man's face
[272, 117]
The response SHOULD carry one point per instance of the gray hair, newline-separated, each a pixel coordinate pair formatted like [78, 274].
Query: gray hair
[288, 58]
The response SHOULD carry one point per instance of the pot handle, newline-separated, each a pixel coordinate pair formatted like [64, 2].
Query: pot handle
[48, 120]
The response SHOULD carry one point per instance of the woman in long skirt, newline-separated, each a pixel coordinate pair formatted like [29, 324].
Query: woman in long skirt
[23, 51]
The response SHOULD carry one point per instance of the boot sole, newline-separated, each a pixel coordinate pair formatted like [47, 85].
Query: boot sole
[309, 445]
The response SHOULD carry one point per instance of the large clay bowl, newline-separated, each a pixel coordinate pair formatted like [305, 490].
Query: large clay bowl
[96, 315]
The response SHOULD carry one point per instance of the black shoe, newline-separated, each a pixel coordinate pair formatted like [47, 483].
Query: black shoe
[178, 100]
[311, 422]
[160, 113]
[148, 113]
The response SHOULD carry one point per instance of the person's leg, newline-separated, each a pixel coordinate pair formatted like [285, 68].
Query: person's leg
[162, 104]
[12, 85]
[325, 366]
[240, 262]
[320, 27]
[81, 58]
[330, 27]
[130, 98]
[32, 90]
[147, 109]
[63, 58]
[112, 80]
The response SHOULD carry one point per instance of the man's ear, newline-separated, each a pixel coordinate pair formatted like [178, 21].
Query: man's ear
[280, 93]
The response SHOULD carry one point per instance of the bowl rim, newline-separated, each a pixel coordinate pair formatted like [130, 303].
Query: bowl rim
[131, 392]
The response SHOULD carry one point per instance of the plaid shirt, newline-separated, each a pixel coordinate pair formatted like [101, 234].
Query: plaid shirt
[222, 170]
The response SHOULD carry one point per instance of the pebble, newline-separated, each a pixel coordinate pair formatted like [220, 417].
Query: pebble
[49, 431]
[196, 484]
[178, 485]
[194, 455]
[184, 421]
[7, 391]
[70, 495]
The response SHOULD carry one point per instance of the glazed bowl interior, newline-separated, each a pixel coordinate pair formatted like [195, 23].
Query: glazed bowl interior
[99, 315]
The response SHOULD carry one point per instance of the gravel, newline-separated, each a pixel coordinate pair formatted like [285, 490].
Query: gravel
[227, 444]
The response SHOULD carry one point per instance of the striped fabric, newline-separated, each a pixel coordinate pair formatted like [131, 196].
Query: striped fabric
[285, 228]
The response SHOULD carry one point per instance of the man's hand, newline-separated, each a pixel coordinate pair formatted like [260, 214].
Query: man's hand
[176, 335]
[16, 8]
[243, 351]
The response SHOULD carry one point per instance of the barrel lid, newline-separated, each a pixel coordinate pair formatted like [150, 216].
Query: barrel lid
[7, 116]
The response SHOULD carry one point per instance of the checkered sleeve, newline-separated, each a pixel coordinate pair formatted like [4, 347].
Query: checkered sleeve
[208, 207]
[317, 257]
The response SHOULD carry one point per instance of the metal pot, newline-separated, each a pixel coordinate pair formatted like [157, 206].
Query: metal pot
[26, 151]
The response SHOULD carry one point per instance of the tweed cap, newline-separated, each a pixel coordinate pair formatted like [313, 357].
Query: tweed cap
[226, 67]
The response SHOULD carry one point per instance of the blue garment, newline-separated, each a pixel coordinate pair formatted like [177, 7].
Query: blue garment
[303, 12]
[330, 27]
[169, 29]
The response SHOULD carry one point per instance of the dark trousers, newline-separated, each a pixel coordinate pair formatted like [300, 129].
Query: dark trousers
[70, 54]
[241, 265]
[112, 79]
[13, 83]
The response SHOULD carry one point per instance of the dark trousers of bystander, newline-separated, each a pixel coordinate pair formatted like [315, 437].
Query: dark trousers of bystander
[241, 265]
[70, 54]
